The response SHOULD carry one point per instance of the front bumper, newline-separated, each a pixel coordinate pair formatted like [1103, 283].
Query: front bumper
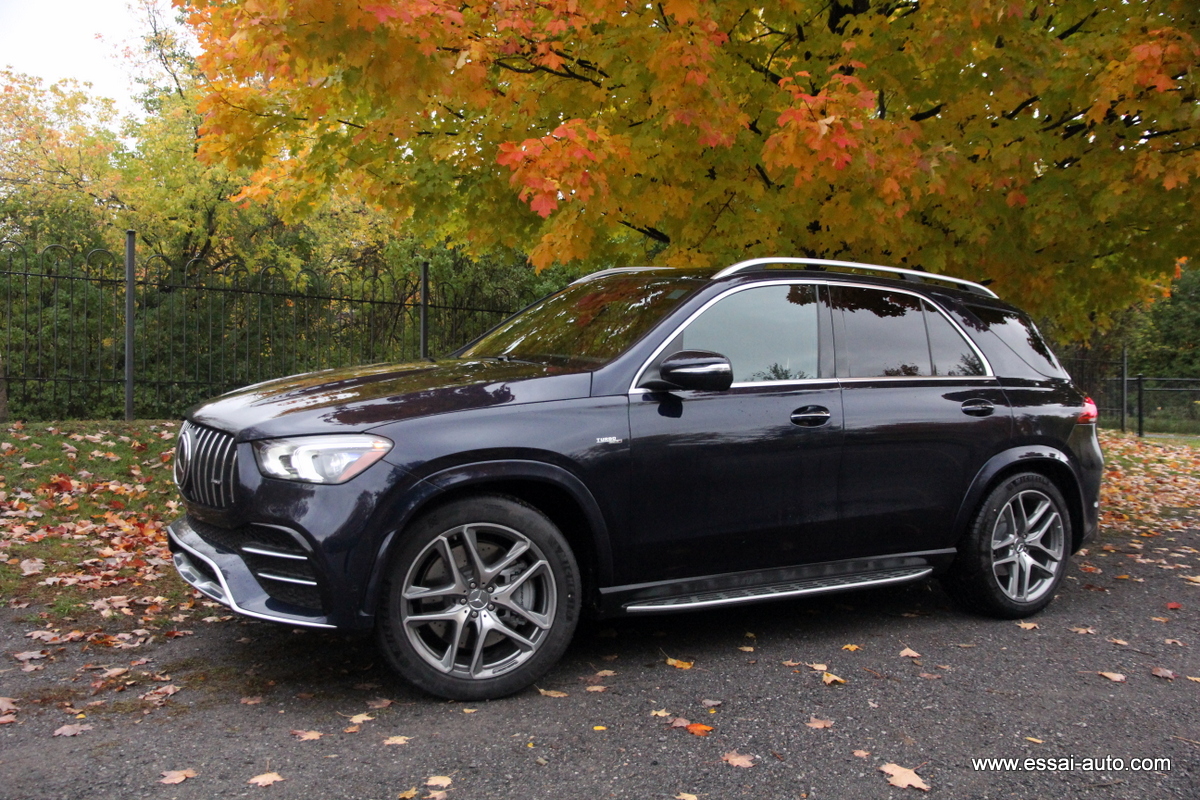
[224, 575]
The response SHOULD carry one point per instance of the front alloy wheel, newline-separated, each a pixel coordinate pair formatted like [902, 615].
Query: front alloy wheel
[482, 599]
[1014, 555]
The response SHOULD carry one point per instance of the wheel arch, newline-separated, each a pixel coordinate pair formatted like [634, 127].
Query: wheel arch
[1041, 459]
[549, 488]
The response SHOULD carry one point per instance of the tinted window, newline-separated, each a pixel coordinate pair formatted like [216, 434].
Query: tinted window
[952, 355]
[587, 323]
[1018, 333]
[884, 334]
[768, 333]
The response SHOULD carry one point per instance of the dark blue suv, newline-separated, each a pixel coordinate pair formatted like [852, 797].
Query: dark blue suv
[647, 440]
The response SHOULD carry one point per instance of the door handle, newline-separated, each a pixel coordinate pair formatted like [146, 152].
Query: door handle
[978, 408]
[810, 416]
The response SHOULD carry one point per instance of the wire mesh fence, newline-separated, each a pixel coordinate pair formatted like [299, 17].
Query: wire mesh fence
[1139, 403]
[197, 330]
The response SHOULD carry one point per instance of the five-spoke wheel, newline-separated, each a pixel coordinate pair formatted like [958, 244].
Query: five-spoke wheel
[1014, 554]
[481, 600]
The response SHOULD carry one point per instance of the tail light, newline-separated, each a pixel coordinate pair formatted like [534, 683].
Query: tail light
[1090, 412]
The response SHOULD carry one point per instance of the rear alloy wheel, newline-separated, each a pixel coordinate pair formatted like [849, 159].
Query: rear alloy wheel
[1014, 556]
[481, 601]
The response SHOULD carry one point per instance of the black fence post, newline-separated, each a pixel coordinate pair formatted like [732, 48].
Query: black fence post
[425, 310]
[130, 288]
[1141, 381]
[1124, 387]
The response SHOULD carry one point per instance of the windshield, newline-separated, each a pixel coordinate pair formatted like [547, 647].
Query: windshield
[586, 324]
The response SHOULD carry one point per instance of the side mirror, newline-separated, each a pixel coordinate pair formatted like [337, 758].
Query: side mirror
[693, 369]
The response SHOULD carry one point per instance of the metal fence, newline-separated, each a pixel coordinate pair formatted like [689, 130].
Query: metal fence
[97, 335]
[1138, 402]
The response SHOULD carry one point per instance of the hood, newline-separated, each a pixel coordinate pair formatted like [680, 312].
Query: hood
[360, 398]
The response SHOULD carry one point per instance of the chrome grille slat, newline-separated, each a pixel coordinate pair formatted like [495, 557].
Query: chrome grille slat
[209, 476]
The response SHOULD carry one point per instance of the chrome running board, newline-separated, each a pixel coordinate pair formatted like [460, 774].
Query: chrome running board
[777, 591]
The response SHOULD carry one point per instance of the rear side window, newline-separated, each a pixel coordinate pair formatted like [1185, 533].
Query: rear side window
[884, 335]
[891, 334]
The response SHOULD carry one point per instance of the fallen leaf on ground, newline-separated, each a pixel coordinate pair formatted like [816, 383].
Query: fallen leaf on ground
[790, 663]
[379, 702]
[662, 712]
[307, 736]
[929, 676]
[352, 729]
[1115, 677]
[72, 730]
[710, 703]
[735, 759]
[605, 673]
[1118, 641]
[397, 740]
[903, 777]
[1034, 739]
[850, 647]
[746, 649]
[7, 705]
[677, 664]
[1173, 641]
[829, 679]
[172, 776]
[862, 753]
[438, 781]
[250, 701]
[1161, 619]
[597, 688]
[599, 727]
[359, 719]
[1082, 630]
[1028, 626]
[908, 652]
[817, 667]
[1174, 606]
[813, 722]
[686, 796]
[407, 795]
[1163, 672]
[680, 722]
[470, 710]
[552, 693]
[698, 729]
[266, 779]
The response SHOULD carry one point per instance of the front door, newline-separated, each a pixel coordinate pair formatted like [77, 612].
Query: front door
[746, 478]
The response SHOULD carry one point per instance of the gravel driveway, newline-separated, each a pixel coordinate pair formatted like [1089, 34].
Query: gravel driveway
[979, 688]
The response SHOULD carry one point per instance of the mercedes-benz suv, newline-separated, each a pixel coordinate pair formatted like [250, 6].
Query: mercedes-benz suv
[647, 440]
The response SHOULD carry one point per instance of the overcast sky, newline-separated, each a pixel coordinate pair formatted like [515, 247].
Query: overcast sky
[81, 39]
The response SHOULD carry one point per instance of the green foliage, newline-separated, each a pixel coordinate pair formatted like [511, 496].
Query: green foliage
[1048, 146]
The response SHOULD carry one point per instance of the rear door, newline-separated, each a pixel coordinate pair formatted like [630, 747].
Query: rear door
[922, 415]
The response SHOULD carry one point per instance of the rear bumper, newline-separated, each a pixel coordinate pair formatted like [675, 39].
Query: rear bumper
[225, 577]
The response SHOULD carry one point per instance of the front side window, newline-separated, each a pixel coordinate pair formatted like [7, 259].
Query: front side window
[768, 333]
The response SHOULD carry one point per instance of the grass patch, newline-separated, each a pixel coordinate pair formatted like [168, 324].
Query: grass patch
[83, 511]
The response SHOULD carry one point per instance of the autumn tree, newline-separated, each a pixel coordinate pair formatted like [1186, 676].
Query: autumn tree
[1047, 146]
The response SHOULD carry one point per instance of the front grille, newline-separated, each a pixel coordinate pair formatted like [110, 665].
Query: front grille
[206, 465]
[277, 560]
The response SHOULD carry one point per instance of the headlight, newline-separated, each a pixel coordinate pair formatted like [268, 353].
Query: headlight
[319, 459]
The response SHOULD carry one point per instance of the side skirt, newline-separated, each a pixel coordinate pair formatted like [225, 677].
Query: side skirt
[760, 585]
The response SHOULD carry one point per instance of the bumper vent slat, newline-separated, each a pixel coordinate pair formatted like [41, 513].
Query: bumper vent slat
[278, 562]
[206, 465]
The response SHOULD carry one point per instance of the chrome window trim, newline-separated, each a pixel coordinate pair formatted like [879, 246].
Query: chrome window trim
[988, 371]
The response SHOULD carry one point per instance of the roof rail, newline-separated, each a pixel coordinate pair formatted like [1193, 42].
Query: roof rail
[591, 276]
[910, 274]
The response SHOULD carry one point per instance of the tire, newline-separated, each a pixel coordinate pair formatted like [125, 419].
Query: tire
[1014, 555]
[481, 599]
